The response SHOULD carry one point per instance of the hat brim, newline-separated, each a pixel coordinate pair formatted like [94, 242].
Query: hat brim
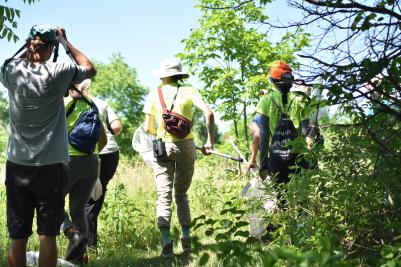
[163, 74]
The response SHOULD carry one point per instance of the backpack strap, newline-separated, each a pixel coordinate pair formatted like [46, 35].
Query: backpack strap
[89, 102]
[71, 108]
[280, 109]
[289, 106]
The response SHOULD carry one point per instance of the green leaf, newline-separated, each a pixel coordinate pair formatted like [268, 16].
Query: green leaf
[209, 232]
[242, 233]
[241, 224]
[204, 259]
[221, 236]
[4, 33]
[198, 225]
[8, 13]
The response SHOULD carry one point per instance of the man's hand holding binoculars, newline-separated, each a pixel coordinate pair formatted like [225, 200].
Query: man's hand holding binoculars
[60, 32]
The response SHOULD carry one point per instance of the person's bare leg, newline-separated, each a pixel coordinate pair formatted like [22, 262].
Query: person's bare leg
[48, 251]
[17, 253]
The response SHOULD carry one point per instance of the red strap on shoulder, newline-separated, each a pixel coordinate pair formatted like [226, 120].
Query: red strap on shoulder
[161, 98]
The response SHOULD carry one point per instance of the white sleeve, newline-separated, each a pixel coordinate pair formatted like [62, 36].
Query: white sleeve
[111, 115]
[149, 107]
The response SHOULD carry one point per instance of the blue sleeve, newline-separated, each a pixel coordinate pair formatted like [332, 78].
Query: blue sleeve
[264, 137]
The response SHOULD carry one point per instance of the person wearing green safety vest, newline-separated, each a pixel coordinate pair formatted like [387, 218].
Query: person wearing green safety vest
[82, 171]
[268, 115]
[174, 153]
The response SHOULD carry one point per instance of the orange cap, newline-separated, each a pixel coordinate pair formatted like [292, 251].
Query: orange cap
[279, 68]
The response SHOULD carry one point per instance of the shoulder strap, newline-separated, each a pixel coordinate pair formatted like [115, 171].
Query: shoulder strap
[89, 102]
[161, 98]
[71, 108]
[279, 108]
[289, 106]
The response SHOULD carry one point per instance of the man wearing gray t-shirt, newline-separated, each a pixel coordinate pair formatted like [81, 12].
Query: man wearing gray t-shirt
[38, 143]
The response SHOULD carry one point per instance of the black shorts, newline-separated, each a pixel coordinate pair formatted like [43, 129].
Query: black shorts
[34, 187]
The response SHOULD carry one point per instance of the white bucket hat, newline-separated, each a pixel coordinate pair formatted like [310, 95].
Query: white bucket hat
[301, 88]
[170, 67]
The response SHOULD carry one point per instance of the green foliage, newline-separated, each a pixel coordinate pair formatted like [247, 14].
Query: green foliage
[334, 217]
[200, 130]
[3, 110]
[116, 82]
[230, 55]
[8, 21]
[344, 202]
[3, 230]
[4, 118]
[121, 217]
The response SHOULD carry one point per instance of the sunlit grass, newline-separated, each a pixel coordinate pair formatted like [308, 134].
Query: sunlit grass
[128, 235]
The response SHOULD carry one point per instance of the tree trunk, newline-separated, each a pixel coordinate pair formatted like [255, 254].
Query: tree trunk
[236, 129]
[236, 137]
[246, 133]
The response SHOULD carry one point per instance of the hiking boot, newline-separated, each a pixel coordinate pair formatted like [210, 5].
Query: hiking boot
[76, 246]
[186, 244]
[81, 260]
[167, 251]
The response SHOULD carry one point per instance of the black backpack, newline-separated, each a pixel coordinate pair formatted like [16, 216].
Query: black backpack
[85, 134]
[281, 155]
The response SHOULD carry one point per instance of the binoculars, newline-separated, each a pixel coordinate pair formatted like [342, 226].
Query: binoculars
[159, 148]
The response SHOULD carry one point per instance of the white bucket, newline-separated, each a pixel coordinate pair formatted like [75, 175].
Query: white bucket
[255, 190]
[256, 226]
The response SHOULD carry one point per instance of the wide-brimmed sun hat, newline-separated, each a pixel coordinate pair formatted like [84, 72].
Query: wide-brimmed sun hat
[301, 88]
[170, 67]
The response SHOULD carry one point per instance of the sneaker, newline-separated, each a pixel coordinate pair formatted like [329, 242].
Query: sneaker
[186, 244]
[76, 246]
[167, 251]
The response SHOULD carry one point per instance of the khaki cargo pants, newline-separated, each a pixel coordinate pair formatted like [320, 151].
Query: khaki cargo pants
[174, 171]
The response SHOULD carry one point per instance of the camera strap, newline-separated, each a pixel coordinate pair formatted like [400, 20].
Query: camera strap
[55, 56]
[11, 58]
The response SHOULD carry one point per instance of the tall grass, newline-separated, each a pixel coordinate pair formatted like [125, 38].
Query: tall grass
[128, 235]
